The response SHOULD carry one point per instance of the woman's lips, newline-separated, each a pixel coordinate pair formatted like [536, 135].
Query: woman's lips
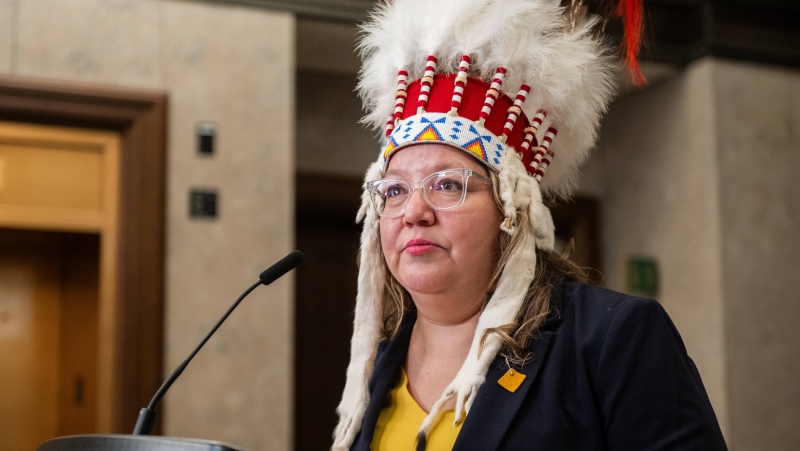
[417, 246]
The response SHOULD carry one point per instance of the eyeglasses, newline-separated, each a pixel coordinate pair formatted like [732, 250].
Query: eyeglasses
[442, 190]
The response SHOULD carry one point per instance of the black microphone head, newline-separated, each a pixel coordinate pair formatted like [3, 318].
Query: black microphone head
[284, 265]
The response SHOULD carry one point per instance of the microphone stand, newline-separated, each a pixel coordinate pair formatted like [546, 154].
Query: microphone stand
[147, 415]
[140, 439]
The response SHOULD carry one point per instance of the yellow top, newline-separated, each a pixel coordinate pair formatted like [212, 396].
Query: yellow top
[400, 420]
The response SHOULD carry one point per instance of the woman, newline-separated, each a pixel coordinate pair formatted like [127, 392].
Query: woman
[469, 333]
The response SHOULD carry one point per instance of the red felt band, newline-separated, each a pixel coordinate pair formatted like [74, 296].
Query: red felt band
[441, 95]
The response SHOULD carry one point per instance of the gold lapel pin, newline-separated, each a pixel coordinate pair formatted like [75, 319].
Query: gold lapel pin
[511, 380]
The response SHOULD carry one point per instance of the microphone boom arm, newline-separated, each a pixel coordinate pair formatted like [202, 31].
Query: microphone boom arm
[147, 415]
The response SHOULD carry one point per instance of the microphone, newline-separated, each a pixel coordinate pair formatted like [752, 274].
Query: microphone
[147, 416]
[284, 265]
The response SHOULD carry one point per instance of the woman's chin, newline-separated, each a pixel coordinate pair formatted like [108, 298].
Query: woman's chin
[429, 282]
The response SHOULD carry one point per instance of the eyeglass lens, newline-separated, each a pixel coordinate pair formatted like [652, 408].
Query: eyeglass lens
[442, 190]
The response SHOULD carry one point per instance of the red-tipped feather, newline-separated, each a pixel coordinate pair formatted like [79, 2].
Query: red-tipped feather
[631, 13]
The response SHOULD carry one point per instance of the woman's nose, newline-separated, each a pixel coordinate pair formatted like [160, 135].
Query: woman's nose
[418, 210]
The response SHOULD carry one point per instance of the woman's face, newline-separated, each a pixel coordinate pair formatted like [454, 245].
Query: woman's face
[434, 252]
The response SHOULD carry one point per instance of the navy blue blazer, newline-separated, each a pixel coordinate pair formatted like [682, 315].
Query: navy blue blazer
[609, 372]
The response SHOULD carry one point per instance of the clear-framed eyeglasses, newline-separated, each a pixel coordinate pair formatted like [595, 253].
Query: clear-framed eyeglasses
[442, 190]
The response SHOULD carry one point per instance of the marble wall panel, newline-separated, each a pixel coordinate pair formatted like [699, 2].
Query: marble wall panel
[759, 160]
[661, 201]
[100, 41]
[232, 66]
[7, 34]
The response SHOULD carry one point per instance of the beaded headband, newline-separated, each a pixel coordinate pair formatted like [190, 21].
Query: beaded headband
[477, 118]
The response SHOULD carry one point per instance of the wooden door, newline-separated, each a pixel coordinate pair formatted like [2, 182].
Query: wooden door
[58, 225]
[138, 117]
[48, 335]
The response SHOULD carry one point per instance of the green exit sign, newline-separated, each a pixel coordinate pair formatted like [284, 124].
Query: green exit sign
[643, 276]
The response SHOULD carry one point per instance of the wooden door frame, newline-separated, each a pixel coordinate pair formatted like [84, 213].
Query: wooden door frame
[140, 118]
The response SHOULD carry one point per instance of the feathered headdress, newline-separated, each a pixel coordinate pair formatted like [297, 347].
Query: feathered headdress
[439, 71]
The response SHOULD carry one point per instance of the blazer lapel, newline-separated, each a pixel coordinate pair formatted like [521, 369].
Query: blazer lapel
[384, 377]
[494, 407]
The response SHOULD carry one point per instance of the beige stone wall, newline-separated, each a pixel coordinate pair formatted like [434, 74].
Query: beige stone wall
[660, 200]
[700, 173]
[758, 129]
[234, 66]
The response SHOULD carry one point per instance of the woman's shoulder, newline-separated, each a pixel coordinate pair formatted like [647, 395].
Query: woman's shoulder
[593, 302]
[590, 310]
[643, 382]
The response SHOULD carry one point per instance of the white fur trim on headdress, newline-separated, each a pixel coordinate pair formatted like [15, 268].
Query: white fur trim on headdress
[367, 325]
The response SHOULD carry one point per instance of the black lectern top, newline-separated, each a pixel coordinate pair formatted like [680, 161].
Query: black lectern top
[132, 443]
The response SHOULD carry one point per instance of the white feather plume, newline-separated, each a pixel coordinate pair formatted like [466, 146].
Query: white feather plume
[569, 72]
[469, 35]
